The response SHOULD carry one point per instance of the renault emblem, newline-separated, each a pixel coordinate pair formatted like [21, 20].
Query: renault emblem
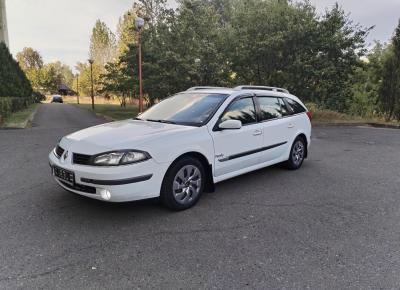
[65, 155]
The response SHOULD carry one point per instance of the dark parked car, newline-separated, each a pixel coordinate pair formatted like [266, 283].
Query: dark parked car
[57, 99]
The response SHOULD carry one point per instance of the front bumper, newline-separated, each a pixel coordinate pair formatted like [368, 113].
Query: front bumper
[114, 184]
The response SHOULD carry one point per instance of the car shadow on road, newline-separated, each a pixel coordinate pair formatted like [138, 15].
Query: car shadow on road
[229, 187]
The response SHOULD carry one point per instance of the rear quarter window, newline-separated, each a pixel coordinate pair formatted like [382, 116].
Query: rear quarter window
[294, 107]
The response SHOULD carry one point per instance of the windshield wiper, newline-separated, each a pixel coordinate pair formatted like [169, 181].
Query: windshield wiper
[160, 121]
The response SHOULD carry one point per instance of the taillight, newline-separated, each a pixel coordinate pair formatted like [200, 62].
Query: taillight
[309, 114]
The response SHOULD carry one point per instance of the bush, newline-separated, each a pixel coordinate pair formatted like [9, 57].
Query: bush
[38, 97]
[5, 108]
[11, 105]
[15, 89]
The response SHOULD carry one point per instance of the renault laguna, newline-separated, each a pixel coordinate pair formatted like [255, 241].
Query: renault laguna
[184, 145]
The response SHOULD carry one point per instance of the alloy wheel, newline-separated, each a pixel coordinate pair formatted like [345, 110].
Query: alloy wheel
[298, 152]
[187, 184]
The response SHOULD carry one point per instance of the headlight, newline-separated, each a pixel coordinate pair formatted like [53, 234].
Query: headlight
[120, 158]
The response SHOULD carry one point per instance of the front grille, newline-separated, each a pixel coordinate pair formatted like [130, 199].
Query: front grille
[81, 159]
[59, 151]
[80, 187]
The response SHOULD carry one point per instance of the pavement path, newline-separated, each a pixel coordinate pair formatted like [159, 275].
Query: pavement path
[334, 224]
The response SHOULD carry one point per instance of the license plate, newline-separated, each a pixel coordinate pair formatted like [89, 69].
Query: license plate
[64, 175]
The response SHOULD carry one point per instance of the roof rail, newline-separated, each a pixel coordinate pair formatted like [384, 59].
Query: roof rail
[274, 89]
[204, 88]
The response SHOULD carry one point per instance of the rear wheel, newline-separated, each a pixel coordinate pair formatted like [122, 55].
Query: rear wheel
[297, 154]
[183, 184]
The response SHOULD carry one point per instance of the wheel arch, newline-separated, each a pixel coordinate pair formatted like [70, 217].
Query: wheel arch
[209, 185]
[304, 137]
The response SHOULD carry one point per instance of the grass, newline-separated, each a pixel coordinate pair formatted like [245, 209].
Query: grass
[323, 116]
[328, 116]
[21, 118]
[112, 111]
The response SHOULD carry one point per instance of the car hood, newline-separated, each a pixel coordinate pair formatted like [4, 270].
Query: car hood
[128, 134]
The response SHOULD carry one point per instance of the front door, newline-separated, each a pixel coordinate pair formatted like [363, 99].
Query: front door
[238, 149]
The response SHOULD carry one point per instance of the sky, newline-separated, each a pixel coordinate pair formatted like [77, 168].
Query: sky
[60, 29]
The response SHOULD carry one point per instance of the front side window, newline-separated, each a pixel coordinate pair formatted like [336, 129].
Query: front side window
[295, 107]
[270, 108]
[242, 110]
[185, 109]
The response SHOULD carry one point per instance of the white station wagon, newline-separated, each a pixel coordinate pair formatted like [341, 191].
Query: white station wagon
[184, 145]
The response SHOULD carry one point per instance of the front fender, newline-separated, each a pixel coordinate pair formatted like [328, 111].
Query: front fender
[170, 147]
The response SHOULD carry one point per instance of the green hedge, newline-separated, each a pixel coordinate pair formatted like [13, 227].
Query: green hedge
[11, 105]
[15, 89]
[5, 108]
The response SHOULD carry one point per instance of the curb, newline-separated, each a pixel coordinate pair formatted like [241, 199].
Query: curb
[105, 117]
[28, 122]
[374, 125]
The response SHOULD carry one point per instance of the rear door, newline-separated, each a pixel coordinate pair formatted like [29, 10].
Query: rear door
[238, 149]
[275, 128]
[295, 117]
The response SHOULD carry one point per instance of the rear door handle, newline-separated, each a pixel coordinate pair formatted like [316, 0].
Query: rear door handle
[290, 126]
[257, 133]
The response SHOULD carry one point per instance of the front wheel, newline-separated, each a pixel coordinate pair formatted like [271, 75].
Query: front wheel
[297, 154]
[183, 184]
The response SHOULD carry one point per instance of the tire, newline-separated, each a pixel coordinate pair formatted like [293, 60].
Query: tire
[183, 184]
[297, 154]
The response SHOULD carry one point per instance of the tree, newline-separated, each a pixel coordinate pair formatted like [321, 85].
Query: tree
[126, 30]
[30, 59]
[31, 63]
[85, 79]
[115, 82]
[13, 81]
[102, 44]
[230, 42]
[180, 49]
[15, 88]
[367, 81]
[55, 74]
[390, 88]
[283, 44]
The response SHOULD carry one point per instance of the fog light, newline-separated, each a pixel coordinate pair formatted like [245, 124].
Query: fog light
[105, 194]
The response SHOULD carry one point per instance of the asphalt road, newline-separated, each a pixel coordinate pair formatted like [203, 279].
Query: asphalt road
[334, 224]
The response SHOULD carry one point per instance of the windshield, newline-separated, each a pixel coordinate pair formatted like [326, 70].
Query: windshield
[193, 109]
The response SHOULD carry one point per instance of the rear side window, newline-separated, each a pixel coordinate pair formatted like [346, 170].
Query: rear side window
[270, 108]
[242, 110]
[284, 108]
[294, 107]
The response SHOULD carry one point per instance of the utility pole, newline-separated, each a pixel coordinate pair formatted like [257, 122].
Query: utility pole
[139, 23]
[3, 23]
[91, 61]
[77, 88]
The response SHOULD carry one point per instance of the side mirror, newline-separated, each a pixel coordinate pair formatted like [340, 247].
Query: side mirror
[230, 125]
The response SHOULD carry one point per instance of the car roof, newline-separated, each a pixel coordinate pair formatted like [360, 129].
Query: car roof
[236, 92]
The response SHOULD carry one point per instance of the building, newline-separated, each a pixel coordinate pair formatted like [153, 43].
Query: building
[64, 90]
[3, 22]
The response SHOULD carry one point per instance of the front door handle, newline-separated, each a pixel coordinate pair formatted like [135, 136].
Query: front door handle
[257, 132]
[290, 126]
